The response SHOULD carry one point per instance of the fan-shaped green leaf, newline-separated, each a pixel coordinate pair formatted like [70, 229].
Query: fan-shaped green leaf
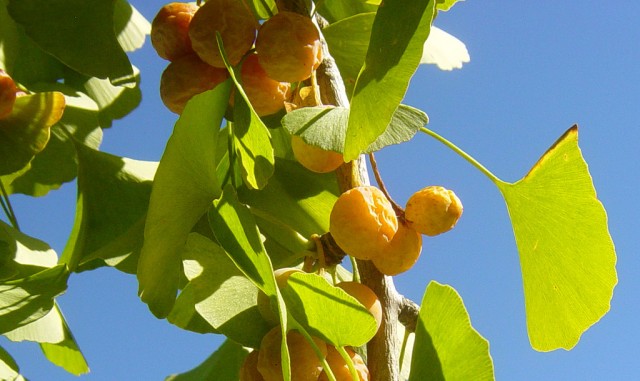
[566, 253]
[326, 127]
[9, 370]
[397, 36]
[130, 26]
[80, 33]
[113, 195]
[447, 347]
[26, 131]
[183, 188]
[308, 298]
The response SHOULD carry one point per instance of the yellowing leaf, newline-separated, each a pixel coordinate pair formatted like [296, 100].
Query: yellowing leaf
[566, 253]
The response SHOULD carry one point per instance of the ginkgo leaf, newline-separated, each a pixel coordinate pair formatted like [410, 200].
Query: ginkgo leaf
[444, 50]
[447, 347]
[223, 365]
[184, 185]
[567, 256]
[398, 34]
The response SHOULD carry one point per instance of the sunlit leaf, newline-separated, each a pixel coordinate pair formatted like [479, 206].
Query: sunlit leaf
[130, 26]
[26, 131]
[28, 299]
[79, 33]
[567, 256]
[444, 50]
[9, 370]
[326, 127]
[222, 296]
[335, 10]
[22, 255]
[310, 296]
[183, 188]
[263, 9]
[113, 195]
[223, 365]
[447, 347]
[397, 36]
[445, 5]
[66, 353]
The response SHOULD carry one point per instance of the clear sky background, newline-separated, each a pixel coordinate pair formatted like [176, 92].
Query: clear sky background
[536, 69]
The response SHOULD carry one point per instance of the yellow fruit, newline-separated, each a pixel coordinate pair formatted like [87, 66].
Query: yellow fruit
[305, 365]
[170, 30]
[340, 368]
[314, 158]
[185, 77]
[402, 253]
[266, 95]
[236, 25]
[8, 92]
[289, 47]
[363, 222]
[433, 210]
[249, 369]
[365, 296]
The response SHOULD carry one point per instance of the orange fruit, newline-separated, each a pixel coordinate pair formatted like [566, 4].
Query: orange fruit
[8, 92]
[170, 30]
[433, 210]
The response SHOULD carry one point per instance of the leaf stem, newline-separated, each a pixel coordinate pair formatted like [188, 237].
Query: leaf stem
[464, 155]
[349, 361]
[374, 166]
[7, 208]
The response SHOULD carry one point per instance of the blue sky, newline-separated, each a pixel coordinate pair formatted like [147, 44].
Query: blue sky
[536, 69]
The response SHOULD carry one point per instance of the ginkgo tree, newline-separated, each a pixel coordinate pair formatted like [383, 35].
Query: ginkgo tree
[205, 229]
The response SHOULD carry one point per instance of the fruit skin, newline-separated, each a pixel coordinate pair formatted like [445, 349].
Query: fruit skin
[402, 253]
[267, 96]
[365, 296]
[433, 210]
[236, 24]
[249, 369]
[289, 47]
[170, 30]
[340, 368]
[314, 158]
[305, 365]
[363, 222]
[185, 77]
[8, 92]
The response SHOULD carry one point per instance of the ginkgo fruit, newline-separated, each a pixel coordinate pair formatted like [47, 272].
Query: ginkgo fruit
[170, 30]
[267, 96]
[305, 363]
[289, 47]
[433, 210]
[402, 252]
[315, 158]
[8, 92]
[340, 368]
[185, 77]
[363, 222]
[237, 27]
[249, 369]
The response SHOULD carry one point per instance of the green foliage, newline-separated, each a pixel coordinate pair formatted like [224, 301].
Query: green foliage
[223, 365]
[566, 253]
[184, 185]
[446, 346]
[9, 370]
[399, 31]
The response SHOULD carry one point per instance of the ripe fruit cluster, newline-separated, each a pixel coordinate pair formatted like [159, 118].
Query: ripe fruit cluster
[264, 364]
[287, 50]
[365, 225]
[8, 91]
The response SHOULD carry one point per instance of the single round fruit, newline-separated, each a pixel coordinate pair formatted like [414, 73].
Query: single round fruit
[305, 364]
[267, 96]
[363, 222]
[433, 210]
[8, 92]
[365, 296]
[269, 313]
[185, 77]
[236, 25]
[402, 253]
[315, 158]
[249, 369]
[289, 47]
[170, 30]
[340, 368]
